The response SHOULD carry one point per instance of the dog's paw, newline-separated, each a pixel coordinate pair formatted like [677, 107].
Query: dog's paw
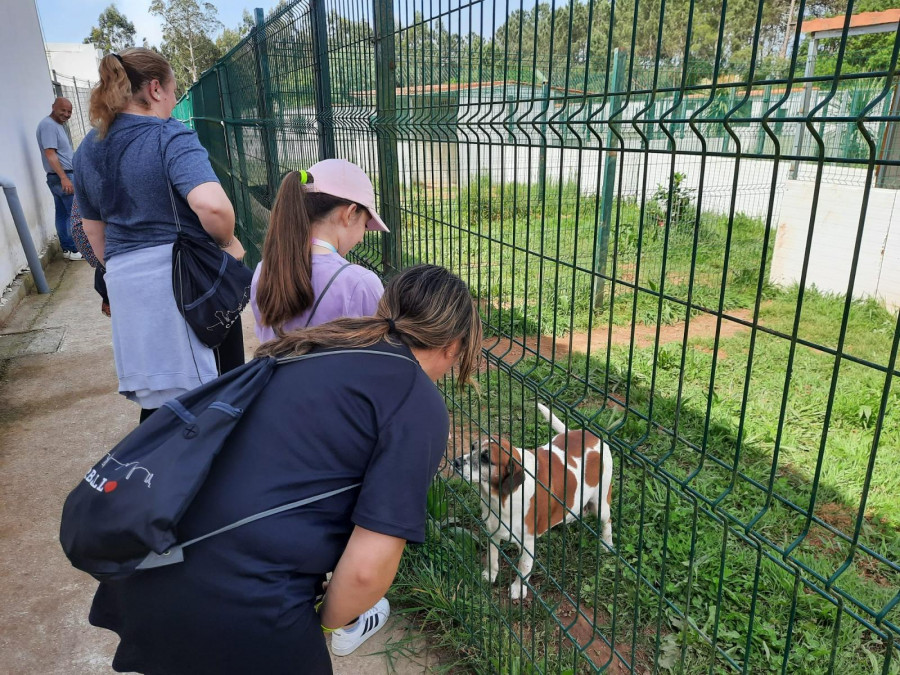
[488, 577]
[607, 535]
[518, 590]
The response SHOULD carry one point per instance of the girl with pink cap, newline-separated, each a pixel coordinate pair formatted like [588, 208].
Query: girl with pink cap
[303, 279]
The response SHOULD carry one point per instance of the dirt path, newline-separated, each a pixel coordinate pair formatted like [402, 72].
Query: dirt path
[703, 326]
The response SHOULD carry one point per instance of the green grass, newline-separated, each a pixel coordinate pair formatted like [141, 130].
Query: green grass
[714, 478]
[536, 256]
[656, 521]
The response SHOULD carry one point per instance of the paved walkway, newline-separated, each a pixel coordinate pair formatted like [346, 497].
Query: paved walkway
[59, 411]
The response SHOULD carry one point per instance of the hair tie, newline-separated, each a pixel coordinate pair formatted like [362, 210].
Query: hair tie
[118, 58]
[305, 177]
[392, 328]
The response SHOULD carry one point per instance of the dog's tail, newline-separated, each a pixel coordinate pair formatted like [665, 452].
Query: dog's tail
[555, 422]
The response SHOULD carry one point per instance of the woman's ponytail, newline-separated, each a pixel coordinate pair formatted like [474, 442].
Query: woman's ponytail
[284, 289]
[121, 77]
[111, 95]
[424, 307]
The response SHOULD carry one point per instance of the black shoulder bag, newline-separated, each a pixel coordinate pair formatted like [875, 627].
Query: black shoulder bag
[211, 286]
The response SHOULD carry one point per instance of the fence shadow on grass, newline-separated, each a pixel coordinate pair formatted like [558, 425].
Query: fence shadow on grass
[712, 568]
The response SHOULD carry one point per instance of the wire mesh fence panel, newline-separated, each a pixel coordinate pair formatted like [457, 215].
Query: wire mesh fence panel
[683, 241]
[79, 94]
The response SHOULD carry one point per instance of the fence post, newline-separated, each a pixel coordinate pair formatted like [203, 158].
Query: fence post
[609, 181]
[84, 125]
[542, 156]
[510, 113]
[224, 97]
[324, 111]
[807, 96]
[57, 87]
[732, 95]
[761, 137]
[385, 125]
[264, 103]
[889, 139]
[240, 182]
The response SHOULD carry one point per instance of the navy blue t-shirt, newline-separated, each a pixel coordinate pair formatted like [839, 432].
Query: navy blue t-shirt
[121, 180]
[243, 601]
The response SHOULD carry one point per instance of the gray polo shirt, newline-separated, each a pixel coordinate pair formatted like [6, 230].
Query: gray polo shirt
[52, 134]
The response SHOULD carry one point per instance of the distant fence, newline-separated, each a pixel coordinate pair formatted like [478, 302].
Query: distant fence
[79, 93]
[616, 219]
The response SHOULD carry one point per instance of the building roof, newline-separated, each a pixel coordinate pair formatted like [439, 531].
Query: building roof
[861, 20]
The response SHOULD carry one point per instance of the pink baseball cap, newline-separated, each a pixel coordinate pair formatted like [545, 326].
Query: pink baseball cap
[340, 178]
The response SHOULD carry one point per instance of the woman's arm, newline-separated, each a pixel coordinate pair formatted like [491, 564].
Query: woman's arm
[216, 214]
[363, 574]
[95, 230]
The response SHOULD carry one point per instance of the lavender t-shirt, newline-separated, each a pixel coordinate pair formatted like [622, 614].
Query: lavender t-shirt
[355, 292]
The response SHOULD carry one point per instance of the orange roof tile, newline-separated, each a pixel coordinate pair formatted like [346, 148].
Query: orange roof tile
[856, 21]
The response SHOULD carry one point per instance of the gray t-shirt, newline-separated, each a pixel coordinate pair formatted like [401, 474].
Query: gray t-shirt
[124, 179]
[52, 134]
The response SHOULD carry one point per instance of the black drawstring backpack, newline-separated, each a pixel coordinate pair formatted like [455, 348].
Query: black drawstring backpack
[123, 516]
[211, 286]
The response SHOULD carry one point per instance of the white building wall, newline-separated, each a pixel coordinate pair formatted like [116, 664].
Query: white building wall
[834, 234]
[25, 97]
[70, 59]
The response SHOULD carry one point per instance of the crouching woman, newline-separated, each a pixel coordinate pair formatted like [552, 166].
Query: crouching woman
[246, 601]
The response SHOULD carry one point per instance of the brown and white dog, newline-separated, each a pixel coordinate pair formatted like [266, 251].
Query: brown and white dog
[526, 492]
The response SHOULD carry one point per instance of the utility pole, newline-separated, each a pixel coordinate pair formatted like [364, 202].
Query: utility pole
[787, 31]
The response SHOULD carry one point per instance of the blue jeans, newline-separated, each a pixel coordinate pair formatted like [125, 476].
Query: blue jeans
[63, 203]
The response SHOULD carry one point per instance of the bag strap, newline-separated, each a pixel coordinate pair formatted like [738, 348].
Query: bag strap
[291, 359]
[324, 291]
[175, 553]
[162, 159]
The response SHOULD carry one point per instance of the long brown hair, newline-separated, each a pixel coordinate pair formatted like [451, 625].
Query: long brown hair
[284, 289]
[428, 306]
[120, 82]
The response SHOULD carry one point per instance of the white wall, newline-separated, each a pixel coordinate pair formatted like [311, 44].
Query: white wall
[70, 59]
[25, 97]
[834, 235]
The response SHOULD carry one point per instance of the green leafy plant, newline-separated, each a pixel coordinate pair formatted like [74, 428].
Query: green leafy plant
[674, 204]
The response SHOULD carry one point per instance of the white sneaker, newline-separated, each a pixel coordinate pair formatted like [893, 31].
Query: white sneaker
[72, 255]
[345, 642]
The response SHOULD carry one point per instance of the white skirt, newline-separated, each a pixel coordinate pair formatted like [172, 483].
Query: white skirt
[158, 356]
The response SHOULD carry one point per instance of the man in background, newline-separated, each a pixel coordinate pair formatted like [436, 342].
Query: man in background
[56, 154]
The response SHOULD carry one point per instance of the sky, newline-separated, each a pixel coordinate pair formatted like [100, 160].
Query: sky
[71, 20]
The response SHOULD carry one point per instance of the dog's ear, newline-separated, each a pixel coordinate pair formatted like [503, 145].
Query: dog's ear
[515, 476]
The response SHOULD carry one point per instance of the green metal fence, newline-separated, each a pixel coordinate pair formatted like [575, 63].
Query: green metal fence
[79, 94]
[613, 180]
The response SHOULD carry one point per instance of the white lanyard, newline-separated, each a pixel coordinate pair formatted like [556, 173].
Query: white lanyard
[324, 244]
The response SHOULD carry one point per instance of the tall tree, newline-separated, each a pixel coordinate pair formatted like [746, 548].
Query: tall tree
[231, 36]
[113, 32]
[187, 43]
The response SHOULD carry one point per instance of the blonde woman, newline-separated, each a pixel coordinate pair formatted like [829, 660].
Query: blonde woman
[123, 172]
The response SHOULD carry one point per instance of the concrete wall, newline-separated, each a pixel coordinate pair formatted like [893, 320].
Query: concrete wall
[25, 97]
[70, 59]
[834, 235]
